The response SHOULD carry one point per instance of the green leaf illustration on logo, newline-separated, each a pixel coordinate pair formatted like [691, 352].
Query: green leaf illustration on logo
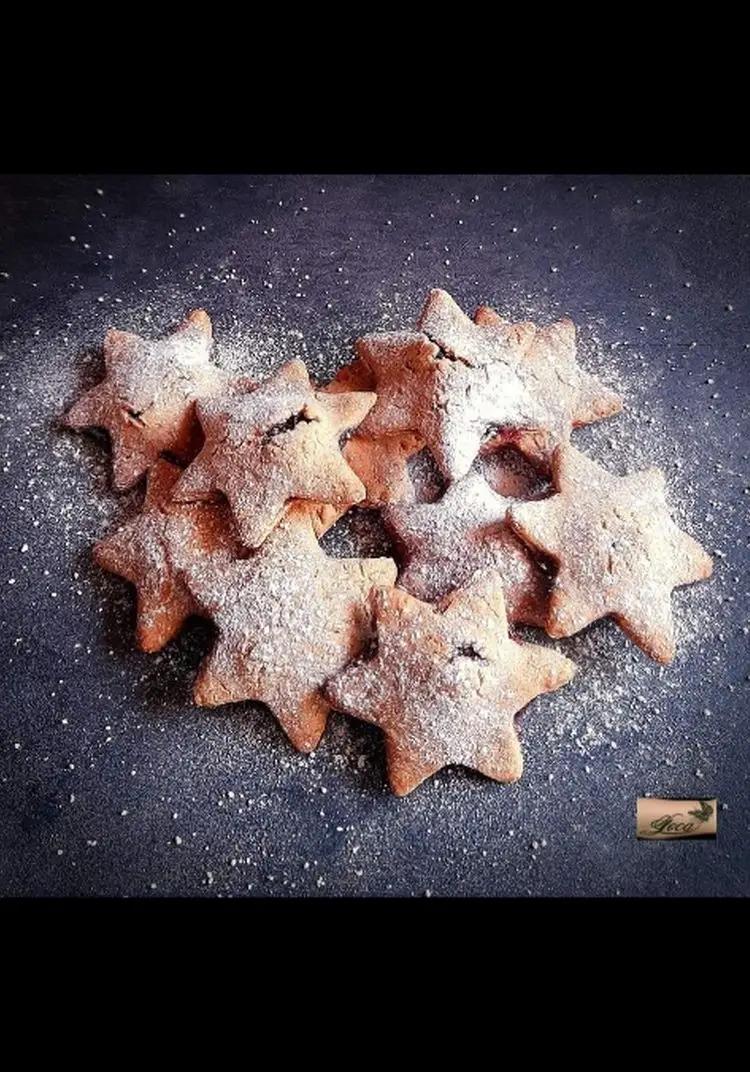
[705, 812]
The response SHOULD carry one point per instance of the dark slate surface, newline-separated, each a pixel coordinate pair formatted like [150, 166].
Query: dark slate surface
[110, 783]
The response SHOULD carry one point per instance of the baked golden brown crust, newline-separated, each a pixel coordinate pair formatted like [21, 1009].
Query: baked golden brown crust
[151, 550]
[446, 402]
[460, 385]
[566, 396]
[445, 683]
[618, 552]
[274, 444]
[146, 401]
[288, 617]
[447, 541]
[382, 466]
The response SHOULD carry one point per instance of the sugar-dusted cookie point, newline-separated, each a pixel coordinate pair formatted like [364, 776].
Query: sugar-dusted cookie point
[459, 385]
[447, 541]
[446, 404]
[618, 552]
[444, 683]
[151, 550]
[475, 342]
[288, 618]
[146, 402]
[271, 444]
[565, 395]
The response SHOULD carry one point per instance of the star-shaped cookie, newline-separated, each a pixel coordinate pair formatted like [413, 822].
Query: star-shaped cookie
[146, 401]
[447, 401]
[151, 550]
[566, 396]
[447, 541]
[618, 552]
[288, 617]
[275, 443]
[445, 683]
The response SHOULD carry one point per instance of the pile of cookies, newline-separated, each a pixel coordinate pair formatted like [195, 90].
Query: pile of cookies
[244, 478]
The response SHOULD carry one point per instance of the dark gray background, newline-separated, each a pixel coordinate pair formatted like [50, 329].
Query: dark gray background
[111, 783]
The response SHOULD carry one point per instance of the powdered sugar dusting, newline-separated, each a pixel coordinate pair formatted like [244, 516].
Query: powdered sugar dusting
[446, 542]
[444, 684]
[241, 810]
